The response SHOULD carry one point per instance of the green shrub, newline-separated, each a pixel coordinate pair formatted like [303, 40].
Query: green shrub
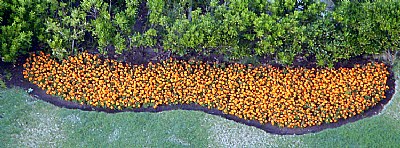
[284, 33]
[2, 84]
[222, 27]
[111, 23]
[21, 23]
[353, 29]
[369, 27]
[282, 29]
[66, 27]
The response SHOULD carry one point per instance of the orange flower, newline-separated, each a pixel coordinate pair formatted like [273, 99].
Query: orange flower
[292, 97]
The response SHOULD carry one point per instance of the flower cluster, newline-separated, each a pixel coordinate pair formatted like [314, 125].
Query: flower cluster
[290, 97]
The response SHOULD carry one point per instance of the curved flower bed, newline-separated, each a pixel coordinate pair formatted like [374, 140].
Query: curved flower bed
[290, 97]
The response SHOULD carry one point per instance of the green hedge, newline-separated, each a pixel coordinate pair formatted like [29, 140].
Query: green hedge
[281, 29]
[21, 23]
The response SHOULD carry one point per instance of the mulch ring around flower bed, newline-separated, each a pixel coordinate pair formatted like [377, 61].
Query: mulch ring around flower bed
[18, 80]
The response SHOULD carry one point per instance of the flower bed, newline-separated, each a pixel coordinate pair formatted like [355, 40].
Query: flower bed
[290, 97]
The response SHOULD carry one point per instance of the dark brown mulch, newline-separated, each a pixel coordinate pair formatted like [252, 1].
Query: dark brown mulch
[143, 56]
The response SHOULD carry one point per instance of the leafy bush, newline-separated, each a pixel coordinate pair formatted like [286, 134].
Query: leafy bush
[21, 24]
[66, 27]
[2, 83]
[225, 27]
[370, 27]
[282, 29]
[353, 29]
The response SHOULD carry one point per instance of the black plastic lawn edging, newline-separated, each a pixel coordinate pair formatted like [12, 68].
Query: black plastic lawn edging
[18, 80]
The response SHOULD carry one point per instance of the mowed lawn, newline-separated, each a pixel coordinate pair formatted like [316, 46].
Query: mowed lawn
[28, 122]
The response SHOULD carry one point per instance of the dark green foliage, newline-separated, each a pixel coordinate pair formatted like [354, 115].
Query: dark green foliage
[66, 26]
[2, 83]
[354, 29]
[21, 23]
[63, 25]
[224, 27]
[109, 23]
[371, 26]
[282, 29]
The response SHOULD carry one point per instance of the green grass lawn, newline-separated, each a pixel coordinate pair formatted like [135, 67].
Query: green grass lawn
[28, 122]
